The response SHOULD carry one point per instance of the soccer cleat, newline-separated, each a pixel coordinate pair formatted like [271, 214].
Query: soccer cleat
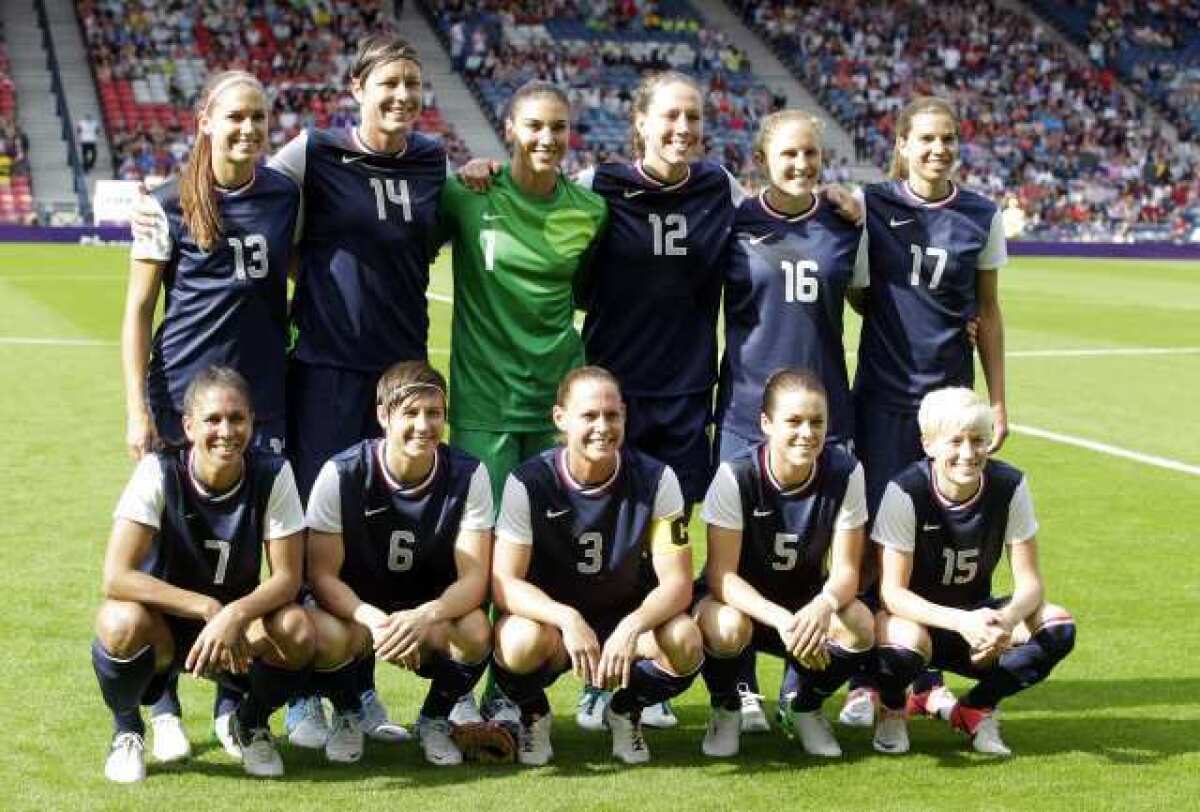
[305, 723]
[259, 756]
[169, 742]
[659, 715]
[223, 728]
[628, 745]
[501, 709]
[126, 762]
[859, 710]
[589, 714]
[722, 739]
[533, 745]
[983, 728]
[891, 732]
[375, 722]
[466, 711]
[816, 734]
[937, 702]
[754, 718]
[345, 742]
[439, 748]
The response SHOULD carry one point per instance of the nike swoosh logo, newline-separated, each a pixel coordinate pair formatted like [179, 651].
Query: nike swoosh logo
[487, 218]
[633, 193]
[349, 159]
[554, 514]
[894, 223]
[762, 513]
[187, 517]
[931, 527]
[758, 240]
[374, 511]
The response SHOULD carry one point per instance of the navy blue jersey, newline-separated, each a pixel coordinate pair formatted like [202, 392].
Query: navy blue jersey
[212, 545]
[227, 306]
[957, 547]
[786, 537]
[654, 285]
[591, 548]
[368, 239]
[924, 261]
[399, 546]
[785, 289]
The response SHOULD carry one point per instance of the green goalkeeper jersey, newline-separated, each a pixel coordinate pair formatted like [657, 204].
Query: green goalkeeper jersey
[513, 336]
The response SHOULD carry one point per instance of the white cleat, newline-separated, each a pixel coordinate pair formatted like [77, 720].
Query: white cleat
[659, 715]
[754, 718]
[987, 737]
[440, 750]
[891, 732]
[589, 713]
[628, 745]
[259, 756]
[859, 710]
[465, 711]
[502, 709]
[306, 724]
[816, 734]
[345, 742]
[375, 722]
[223, 729]
[722, 739]
[169, 741]
[533, 743]
[126, 762]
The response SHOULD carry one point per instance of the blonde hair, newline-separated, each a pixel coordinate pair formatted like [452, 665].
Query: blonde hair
[773, 122]
[405, 379]
[579, 375]
[919, 105]
[644, 95]
[952, 409]
[197, 183]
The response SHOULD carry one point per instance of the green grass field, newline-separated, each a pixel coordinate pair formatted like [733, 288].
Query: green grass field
[1117, 727]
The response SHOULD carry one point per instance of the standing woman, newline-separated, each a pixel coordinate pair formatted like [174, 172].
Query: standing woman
[219, 247]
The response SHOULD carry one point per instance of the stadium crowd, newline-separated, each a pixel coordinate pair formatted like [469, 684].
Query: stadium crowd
[16, 202]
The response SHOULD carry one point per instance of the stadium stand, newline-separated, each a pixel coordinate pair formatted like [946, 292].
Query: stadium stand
[151, 59]
[16, 195]
[1081, 157]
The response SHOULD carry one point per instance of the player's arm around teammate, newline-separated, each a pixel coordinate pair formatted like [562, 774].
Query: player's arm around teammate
[570, 574]
[181, 578]
[399, 556]
[944, 525]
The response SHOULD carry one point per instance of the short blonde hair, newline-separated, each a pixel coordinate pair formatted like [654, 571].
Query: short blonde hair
[945, 411]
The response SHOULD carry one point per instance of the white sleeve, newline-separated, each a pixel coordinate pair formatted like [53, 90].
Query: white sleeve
[1022, 523]
[668, 501]
[723, 502]
[853, 512]
[736, 193]
[479, 513]
[995, 252]
[154, 245]
[292, 158]
[285, 515]
[861, 276]
[143, 499]
[513, 524]
[325, 501]
[896, 524]
[586, 177]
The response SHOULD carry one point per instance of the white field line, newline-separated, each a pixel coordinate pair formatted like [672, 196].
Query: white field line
[56, 342]
[1102, 352]
[1105, 448]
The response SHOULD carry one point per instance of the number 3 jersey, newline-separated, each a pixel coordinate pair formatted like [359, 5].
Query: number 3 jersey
[226, 306]
[591, 545]
[211, 543]
[924, 260]
[955, 547]
[787, 533]
[399, 540]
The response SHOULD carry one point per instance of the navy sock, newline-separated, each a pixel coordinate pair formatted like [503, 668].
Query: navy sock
[226, 700]
[817, 686]
[364, 674]
[168, 700]
[340, 685]
[748, 675]
[789, 686]
[927, 680]
[527, 691]
[270, 687]
[721, 677]
[448, 680]
[1023, 666]
[648, 685]
[898, 667]
[122, 683]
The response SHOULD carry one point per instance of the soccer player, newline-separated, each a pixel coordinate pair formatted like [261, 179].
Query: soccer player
[776, 514]
[943, 525]
[181, 578]
[219, 244]
[399, 555]
[932, 250]
[593, 573]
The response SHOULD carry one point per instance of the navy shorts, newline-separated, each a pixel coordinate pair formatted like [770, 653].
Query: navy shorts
[329, 410]
[886, 442]
[184, 632]
[674, 430]
[952, 652]
[268, 434]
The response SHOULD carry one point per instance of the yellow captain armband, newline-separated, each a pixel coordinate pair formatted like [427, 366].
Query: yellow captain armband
[669, 536]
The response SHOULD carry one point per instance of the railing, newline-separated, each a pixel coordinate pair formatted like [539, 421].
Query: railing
[64, 113]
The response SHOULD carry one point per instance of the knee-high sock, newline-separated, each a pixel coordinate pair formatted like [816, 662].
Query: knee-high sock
[648, 685]
[448, 680]
[748, 673]
[817, 686]
[340, 685]
[270, 687]
[1023, 666]
[722, 676]
[168, 700]
[122, 683]
[898, 667]
[527, 691]
[364, 674]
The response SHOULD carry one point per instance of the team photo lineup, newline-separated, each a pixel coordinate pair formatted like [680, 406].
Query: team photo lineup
[528, 517]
